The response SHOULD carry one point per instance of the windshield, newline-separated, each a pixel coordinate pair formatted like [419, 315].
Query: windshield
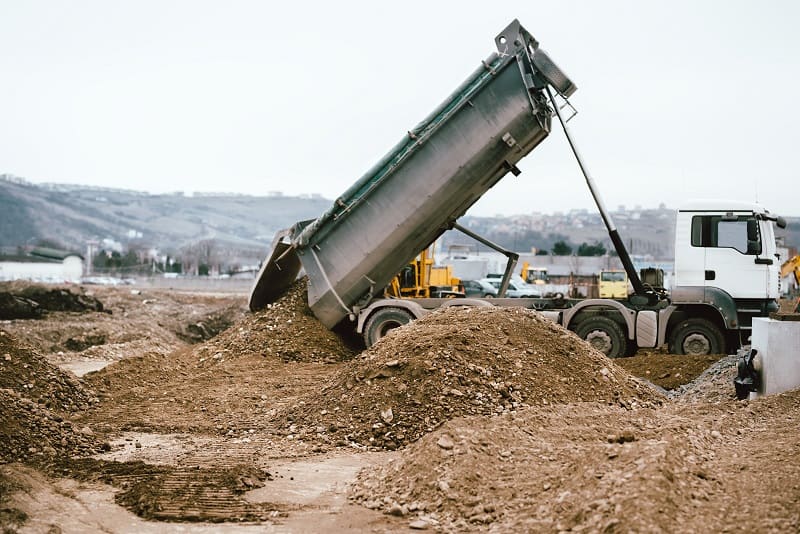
[609, 276]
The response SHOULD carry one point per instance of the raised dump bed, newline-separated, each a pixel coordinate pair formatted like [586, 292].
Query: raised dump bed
[418, 190]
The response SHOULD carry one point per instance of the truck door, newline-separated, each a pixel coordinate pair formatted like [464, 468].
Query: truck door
[733, 245]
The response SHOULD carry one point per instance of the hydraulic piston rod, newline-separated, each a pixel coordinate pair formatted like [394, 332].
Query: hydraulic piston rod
[619, 246]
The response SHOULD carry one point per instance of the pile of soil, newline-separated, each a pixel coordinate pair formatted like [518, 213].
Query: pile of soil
[460, 361]
[25, 301]
[31, 433]
[665, 370]
[593, 468]
[285, 329]
[36, 398]
[566, 468]
[133, 322]
[28, 373]
[714, 385]
[234, 382]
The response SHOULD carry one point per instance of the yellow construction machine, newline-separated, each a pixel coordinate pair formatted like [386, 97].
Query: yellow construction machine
[613, 284]
[792, 266]
[534, 275]
[422, 278]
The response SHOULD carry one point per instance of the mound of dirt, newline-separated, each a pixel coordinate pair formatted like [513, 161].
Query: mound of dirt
[35, 396]
[137, 322]
[26, 301]
[571, 467]
[667, 371]
[285, 329]
[31, 433]
[459, 361]
[29, 374]
[714, 385]
[14, 307]
[594, 468]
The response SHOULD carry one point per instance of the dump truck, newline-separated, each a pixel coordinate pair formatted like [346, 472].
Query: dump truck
[421, 187]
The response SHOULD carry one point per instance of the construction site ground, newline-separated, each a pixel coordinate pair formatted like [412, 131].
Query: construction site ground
[126, 409]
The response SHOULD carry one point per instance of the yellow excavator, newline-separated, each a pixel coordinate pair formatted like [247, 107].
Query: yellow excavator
[423, 279]
[792, 266]
[534, 275]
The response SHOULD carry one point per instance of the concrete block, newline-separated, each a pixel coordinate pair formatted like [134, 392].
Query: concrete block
[778, 358]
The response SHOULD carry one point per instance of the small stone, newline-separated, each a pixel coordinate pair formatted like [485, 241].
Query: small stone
[418, 524]
[387, 415]
[397, 510]
[445, 442]
[716, 434]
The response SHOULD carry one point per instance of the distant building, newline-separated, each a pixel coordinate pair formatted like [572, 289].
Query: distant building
[42, 265]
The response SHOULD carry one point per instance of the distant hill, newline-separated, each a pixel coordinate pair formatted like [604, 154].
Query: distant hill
[71, 215]
[242, 227]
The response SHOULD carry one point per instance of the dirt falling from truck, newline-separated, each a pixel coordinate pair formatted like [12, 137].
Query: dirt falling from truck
[454, 362]
[285, 329]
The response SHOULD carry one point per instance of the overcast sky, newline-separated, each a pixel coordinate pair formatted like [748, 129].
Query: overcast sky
[676, 100]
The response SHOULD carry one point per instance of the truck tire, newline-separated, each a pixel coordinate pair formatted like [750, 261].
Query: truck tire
[696, 337]
[383, 320]
[604, 334]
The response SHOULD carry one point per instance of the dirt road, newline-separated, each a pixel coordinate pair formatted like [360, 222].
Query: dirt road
[199, 417]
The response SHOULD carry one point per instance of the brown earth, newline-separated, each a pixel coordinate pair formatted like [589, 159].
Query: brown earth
[502, 422]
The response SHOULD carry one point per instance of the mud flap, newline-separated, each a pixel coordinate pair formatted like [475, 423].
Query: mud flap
[747, 379]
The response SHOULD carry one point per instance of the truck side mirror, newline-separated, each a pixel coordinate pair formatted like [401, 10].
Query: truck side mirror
[781, 222]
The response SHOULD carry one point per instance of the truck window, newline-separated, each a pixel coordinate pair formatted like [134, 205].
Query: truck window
[612, 276]
[715, 231]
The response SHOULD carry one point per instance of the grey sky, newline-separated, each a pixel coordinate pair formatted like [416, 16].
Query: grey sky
[676, 99]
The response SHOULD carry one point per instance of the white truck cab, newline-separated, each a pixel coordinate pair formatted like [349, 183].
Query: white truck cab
[729, 246]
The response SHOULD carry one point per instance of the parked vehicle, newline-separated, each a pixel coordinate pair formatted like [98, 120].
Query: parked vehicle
[516, 288]
[612, 284]
[479, 288]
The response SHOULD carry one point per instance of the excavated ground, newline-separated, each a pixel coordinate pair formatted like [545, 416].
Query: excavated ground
[493, 419]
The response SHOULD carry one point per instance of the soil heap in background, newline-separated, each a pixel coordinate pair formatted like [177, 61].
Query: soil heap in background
[286, 329]
[26, 301]
[35, 399]
[459, 361]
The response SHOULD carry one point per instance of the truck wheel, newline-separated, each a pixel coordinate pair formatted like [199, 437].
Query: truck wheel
[605, 335]
[697, 337]
[383, 320]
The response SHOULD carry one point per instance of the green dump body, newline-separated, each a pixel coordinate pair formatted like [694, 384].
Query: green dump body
[425, 183]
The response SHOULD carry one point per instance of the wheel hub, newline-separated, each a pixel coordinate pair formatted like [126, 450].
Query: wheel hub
[600, 340]
[696, 344]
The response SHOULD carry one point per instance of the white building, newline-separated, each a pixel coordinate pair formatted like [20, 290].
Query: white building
[42, 265]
